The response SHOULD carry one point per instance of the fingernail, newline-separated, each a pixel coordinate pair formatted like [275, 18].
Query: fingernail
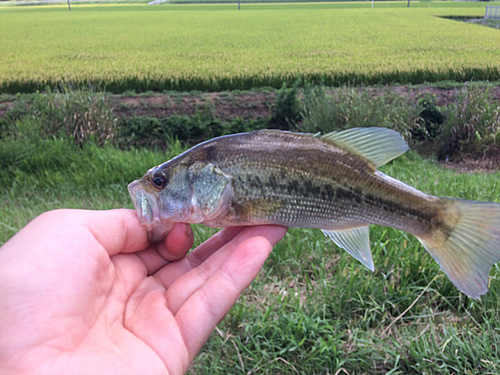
[189, 231]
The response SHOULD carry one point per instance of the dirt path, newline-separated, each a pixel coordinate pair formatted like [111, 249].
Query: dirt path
[228, 105]
[244, 104]
[223, 105]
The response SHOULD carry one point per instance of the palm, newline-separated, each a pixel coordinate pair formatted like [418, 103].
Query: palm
[89, 299]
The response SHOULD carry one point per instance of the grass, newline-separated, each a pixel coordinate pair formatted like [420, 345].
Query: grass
[216, 47]
[313, 308]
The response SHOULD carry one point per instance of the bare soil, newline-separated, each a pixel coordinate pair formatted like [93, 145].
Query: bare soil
[230, 105]
[224, 106]
[245, 105]
[488, 163]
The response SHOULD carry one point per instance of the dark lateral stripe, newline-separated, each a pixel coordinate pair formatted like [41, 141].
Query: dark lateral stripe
[429, 218]
[328, 193]
[255, 185]
[303, 188]
[397, 208]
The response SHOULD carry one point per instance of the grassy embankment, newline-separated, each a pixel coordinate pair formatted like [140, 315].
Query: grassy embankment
[313, 308]
[216, 47]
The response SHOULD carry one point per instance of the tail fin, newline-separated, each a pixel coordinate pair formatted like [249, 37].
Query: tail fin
[468, 244]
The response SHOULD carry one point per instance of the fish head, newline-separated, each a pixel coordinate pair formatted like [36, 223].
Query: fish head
[184, 189]
[162, 197]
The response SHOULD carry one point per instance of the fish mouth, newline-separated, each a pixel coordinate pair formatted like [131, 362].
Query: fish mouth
[144, 203]
[149, 213]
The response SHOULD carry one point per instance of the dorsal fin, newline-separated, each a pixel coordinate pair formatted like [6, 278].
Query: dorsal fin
[378, 145]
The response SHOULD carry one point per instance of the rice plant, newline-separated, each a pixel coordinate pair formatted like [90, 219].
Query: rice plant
[214, 48]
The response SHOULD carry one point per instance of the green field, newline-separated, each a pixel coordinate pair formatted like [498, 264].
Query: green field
[216, 47]
[313, 309]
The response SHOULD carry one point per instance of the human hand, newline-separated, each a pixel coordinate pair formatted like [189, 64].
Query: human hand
[83, 292]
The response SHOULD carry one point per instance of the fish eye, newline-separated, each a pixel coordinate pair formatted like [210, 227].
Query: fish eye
[159, 180]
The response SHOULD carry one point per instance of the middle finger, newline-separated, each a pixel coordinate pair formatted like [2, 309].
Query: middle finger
[172, 271]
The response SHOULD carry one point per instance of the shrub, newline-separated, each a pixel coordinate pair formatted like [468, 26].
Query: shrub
[430, 119]
[287, 108]
[151, 131]
[154, 132]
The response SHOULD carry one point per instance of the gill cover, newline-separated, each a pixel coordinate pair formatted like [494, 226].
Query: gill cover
[212, 191]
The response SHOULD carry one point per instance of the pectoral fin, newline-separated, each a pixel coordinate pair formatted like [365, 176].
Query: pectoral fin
[356, 242]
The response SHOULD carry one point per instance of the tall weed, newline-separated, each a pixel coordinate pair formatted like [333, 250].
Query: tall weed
[83, 115]
[324, 111]
[472, 126]
[20, 109]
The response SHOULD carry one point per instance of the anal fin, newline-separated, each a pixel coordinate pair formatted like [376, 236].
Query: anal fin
[356, 242]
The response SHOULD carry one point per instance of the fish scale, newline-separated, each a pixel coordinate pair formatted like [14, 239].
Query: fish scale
[330, 183]
[328, 191]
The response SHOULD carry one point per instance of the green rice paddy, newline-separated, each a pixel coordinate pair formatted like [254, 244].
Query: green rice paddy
[216, 47]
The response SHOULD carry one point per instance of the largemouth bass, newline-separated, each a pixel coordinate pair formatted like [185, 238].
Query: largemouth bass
[329, 182]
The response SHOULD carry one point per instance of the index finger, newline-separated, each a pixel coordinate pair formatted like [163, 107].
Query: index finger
[115, 230]
[119, 231]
